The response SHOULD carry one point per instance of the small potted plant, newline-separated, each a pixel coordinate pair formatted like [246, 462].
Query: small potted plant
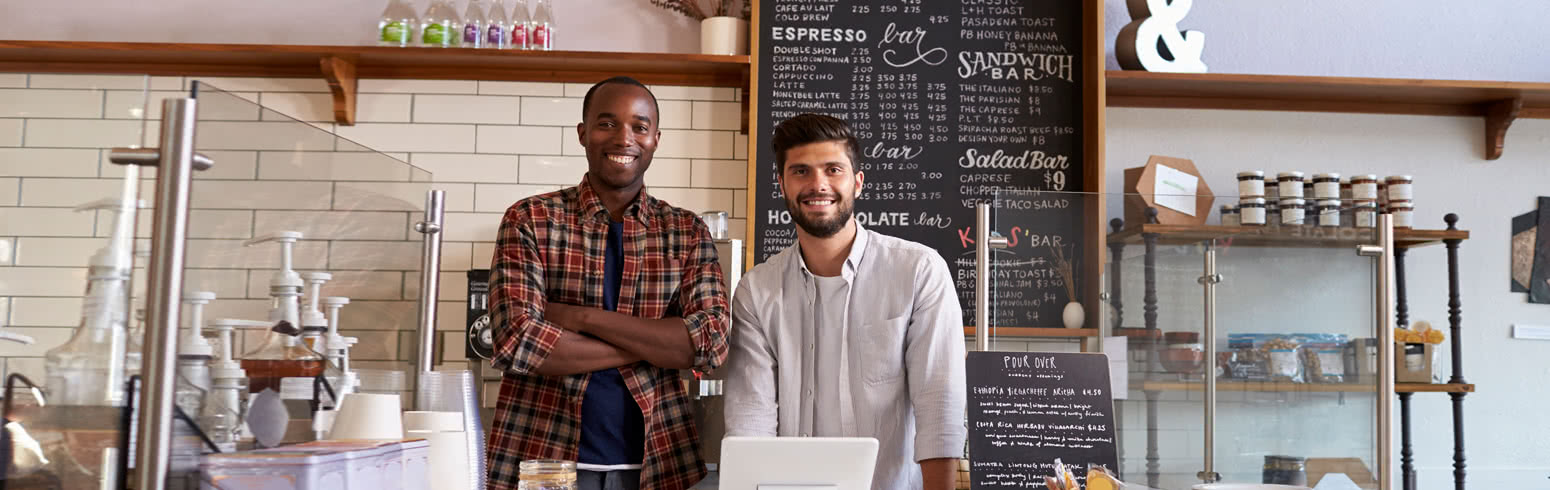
[723, 26]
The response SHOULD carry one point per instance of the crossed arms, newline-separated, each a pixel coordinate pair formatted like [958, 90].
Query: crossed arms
[537, 337]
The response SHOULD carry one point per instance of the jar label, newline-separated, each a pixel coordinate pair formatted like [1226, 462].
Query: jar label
[394, 32]
[495, 36]
[471, 33]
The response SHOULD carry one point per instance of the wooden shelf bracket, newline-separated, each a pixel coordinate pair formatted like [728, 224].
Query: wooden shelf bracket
[340, 73]
[1498, 117]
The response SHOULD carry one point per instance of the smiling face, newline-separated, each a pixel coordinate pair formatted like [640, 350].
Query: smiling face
[820, 185]
[619, 132]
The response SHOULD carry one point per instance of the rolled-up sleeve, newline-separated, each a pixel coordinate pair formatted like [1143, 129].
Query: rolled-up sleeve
[704, 301]
[523, 340]
[934, 356]
[751, 408]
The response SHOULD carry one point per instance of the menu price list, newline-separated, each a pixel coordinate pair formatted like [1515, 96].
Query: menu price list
[1027, 409]
[955, 103]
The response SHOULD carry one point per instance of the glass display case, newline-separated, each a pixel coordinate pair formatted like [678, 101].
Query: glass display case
[355, 211]
[1253, 350]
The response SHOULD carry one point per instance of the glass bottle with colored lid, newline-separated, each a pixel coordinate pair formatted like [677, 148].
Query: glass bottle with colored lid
[474, 22]
[397, 25]
[439, 26]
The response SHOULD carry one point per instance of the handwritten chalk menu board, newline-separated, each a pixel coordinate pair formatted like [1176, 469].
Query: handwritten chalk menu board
[1028, 408]
[953, 101]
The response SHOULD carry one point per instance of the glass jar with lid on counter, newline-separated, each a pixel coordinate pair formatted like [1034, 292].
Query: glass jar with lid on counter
[1251, 183]
[547, 474]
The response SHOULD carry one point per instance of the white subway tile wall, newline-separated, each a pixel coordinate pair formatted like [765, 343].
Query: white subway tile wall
[487, 144]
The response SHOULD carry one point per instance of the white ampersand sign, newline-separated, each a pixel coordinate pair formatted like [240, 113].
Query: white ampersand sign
[1158, 20]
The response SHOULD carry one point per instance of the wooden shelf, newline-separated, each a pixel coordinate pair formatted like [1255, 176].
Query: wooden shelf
[1434, 388]
[1498, 102]
[344, 64]
[1277, 386]
[1010, 332]
[1284, 236]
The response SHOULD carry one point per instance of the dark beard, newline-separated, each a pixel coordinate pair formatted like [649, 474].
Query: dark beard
[822, 228]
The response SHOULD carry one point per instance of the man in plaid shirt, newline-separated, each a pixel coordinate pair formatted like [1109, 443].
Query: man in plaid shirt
[600, 294]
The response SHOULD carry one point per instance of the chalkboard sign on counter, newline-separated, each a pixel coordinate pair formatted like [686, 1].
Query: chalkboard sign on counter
[1028, 408]
[955, 103]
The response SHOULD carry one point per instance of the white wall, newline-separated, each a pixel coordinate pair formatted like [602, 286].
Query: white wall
[1507, 440]
[487, 144]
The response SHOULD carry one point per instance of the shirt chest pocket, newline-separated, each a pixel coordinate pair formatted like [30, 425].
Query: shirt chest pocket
[880, 348]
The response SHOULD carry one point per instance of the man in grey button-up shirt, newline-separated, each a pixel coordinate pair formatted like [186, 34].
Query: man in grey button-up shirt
[850, 333]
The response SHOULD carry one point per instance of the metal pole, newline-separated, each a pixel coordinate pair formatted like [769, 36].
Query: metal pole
[153, 452]
[1209, 282]
[982, 277]
[430, 283]
[984, 241]
[1385, 312]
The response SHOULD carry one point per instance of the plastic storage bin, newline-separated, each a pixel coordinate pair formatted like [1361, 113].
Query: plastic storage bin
[275, 470]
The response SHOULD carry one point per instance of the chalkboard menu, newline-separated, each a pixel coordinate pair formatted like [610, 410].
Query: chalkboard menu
[955, 103]
[1028, 408]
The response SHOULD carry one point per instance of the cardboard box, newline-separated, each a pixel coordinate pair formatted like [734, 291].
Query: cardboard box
[1412, 363]
[1351, 467]
[1142, 192]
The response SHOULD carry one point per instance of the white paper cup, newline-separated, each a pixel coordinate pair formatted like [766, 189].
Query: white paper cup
[368, 416]
[449, 458]
[433, 421]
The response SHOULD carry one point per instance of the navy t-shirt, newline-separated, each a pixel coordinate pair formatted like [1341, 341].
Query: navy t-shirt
[613, 431]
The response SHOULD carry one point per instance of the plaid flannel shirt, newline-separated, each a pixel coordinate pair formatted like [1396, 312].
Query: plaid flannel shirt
[550, 248]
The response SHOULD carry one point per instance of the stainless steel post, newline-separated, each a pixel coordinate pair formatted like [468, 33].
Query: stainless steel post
[1385, 312]
[153, 450]
[430, 283]
[1384, 309]
[984, 241]
[1208, 282]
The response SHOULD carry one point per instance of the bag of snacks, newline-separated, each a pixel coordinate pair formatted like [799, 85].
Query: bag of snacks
[1323, 357]
[1265, 357]
[1283, 352]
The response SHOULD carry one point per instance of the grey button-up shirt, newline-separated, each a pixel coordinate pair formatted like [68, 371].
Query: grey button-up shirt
[900, 364]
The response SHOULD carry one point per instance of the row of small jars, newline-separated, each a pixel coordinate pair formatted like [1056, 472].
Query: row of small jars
[1357, 199]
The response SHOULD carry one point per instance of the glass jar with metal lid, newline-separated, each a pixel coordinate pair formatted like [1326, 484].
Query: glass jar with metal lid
[1364, 186]
[1401, 187]
[1230, 215]
[1326, 186]
[1272, 211]
[549, 474]
[1290, 184]
[1286, 470]
[1251, 211]
[1329, 212]
[1293, 212]
[1366, 213]
[1404, 213]
[1251, 183]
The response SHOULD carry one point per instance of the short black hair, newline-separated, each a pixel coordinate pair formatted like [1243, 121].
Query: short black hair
[586, 103]
[813, 128]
